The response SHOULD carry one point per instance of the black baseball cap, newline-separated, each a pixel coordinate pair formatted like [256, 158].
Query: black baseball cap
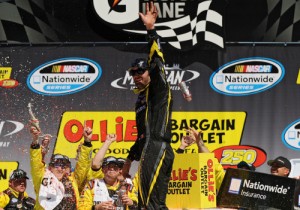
[139, 63]
[246, 165]
[18, 174]
[281, 162]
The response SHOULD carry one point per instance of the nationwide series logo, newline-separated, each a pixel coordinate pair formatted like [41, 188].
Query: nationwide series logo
[174, 76]
[291, 135]
[181, 23]
[247, 76]
[64, 76]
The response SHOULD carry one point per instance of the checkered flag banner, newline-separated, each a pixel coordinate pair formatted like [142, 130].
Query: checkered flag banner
[28, 21]
[205, 27]
[282, 22]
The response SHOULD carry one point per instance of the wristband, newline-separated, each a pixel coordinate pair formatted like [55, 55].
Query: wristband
[180, 151]
[34, 145]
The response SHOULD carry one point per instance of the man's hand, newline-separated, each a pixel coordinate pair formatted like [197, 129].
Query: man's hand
[126, 200]
[87, 133]
[196, 135]
[111, 137]
[149, 18]
[199, 141]
[105, 205]
[35, 134]
[187, 141]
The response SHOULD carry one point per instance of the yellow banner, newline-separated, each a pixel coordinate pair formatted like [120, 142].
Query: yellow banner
[219, 129]
[5, 170]
[192, 183]
[5, 73]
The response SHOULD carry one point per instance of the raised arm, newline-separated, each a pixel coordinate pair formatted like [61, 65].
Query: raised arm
[200, 144]
[84, 160]
[36, 160]
[98, 159]
[149, 18]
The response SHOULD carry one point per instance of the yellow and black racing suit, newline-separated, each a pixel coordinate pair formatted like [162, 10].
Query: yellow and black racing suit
[74, 183]
[10, 199]
[153, 119]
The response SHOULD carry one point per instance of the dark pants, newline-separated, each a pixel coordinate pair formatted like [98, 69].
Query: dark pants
[154, 175]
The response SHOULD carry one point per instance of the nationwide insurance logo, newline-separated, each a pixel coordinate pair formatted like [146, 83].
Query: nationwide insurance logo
[291, 135]
[181, 23]
[247, 76]
[64, 76]
[235, 185]
[174, 76]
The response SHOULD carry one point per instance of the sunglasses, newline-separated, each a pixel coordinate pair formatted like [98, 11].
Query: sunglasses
[112, 165]
[60, 164]
[139, 71]
[112, 160]
[59, 160]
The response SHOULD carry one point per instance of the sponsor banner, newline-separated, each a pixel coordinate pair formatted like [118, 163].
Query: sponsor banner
[64, 76]
[182, 24]
[5, 80]
[192, 183]
[6, 168]
[230, 156]
[5, 73]
[253, 190]
[174, 76]
[247, 76]
[78, 21]
[291, 135]
[219, 129]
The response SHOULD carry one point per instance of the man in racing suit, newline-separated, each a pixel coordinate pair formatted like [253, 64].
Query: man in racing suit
[54, 186]
[108, 192]
[15, 196]
[153, 119]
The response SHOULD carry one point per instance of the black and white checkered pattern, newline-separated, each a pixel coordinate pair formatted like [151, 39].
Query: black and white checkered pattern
[184, 33]
[26, 21]
[282, 23]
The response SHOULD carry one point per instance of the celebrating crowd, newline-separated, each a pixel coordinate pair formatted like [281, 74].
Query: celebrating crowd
[103, 182]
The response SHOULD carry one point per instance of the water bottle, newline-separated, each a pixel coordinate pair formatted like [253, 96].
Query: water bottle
[119, 204]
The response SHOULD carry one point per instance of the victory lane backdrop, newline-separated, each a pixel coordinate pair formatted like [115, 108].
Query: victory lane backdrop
[102, 85]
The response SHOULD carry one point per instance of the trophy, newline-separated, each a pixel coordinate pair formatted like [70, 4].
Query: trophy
[34, 122]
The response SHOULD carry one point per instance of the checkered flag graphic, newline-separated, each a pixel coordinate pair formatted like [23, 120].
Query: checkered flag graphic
[27, 21]
[282, 22]
[206, 27]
